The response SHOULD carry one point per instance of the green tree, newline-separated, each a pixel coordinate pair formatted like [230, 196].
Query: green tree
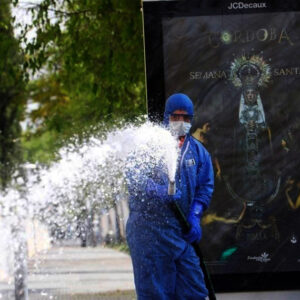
[92, 51]
[11, 97]
[42, 137]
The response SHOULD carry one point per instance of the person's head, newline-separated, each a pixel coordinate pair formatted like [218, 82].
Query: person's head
[179, 110]
[250, 96]
[202, 133]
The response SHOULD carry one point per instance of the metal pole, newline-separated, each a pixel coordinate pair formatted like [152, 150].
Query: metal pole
[20, 264]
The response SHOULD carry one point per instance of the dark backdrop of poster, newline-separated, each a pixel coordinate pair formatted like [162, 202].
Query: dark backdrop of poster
[243, 74]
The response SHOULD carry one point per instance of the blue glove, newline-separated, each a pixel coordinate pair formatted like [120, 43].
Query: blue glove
[195, 232]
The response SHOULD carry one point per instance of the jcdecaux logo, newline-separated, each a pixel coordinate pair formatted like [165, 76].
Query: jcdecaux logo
[242, 5]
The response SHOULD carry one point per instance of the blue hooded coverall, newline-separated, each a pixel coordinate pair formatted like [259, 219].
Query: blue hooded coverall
[165, 265]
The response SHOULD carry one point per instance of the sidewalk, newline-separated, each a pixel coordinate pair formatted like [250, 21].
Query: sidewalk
[74, 273]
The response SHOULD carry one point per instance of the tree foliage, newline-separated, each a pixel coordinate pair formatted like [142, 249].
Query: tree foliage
[11, 97]
[92, 52]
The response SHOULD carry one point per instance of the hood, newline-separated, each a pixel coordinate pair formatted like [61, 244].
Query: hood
[178, 101]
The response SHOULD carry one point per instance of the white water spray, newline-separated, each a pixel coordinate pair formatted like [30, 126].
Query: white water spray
[87, 178]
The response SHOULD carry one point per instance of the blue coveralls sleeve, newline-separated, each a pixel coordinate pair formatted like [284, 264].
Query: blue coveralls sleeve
[203, 192]
[134, 174]
[155, 190]
[150, 183]
[205, 182]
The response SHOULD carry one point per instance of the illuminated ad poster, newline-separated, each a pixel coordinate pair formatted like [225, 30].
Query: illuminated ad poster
[243, 74]
[242, 71]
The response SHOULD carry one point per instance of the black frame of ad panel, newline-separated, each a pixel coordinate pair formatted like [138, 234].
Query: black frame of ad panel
[153, 14]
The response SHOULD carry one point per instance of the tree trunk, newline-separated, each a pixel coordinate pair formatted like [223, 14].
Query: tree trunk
[118, 227]
[91, 242]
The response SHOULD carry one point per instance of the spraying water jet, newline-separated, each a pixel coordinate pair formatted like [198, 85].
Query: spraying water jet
[87, 177]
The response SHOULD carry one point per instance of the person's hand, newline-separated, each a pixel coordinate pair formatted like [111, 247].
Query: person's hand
[161, 191]
[174, 198]
[195, 232]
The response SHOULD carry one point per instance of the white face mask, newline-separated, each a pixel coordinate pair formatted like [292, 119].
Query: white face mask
[180, 128]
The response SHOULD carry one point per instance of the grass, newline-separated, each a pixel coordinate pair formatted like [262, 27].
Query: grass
[123, 247]
[117, 295]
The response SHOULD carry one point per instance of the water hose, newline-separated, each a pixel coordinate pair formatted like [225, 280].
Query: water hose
[186, 227]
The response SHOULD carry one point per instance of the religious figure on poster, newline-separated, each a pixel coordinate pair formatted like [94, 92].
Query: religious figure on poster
[261, 188]
[252, 179]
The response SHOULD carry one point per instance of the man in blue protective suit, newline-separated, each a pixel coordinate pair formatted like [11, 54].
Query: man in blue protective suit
[165, 264]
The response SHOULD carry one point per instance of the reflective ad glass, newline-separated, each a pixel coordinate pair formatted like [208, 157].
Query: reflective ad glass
[243, 73]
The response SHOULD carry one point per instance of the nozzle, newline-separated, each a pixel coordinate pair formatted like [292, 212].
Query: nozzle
[172, 188]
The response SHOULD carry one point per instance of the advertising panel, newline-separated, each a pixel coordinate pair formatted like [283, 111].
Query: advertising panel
[239, 63]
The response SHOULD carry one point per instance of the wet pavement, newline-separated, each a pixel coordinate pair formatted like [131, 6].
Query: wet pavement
[74, 273]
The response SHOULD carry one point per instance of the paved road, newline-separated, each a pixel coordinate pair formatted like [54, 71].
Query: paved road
[74, 273]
